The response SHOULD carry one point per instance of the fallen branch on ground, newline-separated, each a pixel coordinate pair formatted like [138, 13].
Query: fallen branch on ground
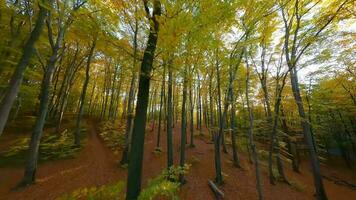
[218, 193]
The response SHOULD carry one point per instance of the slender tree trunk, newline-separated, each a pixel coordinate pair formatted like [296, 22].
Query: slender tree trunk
[153, 102]
[160, 108]
[279, 90]
[83, 94]
[211, 108]
[17, 77]
[320, 191]
[191, 115]
[112, 94]
[170, 117]
[251, 140]
[18, 107]
[129, 120]
[32, 159]
[347, 132]
[236, 160]
[184, 126]
[90, 109]
[106, 91]
[117, 98]
[138, 134]
[222, 118]
[218, 134]
[199, 121]
[292, 146]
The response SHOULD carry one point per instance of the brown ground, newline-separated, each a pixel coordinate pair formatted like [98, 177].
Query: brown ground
[97, 165]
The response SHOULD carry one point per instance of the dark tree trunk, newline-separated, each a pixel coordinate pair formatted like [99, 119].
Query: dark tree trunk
[251, 140]
[117, 98]
[160, 109]
[222, 117]
[218, 134]
[138, 133]
[211, 107]
[32, 159]
[130, 101]
[83, 94]
[279, 90]
[153, 102]
[129, 119]
[320, 191]
[191, 115]
[236, 160]
[292, 146]
[112, 94]
[170, 117]
[199, 120]
[90, 108]
[184, 126]
[106, 91]
[16, 79]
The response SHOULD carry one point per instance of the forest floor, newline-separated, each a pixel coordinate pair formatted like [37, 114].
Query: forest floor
[96, 165]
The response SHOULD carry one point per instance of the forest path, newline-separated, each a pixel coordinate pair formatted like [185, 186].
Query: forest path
[96, 165]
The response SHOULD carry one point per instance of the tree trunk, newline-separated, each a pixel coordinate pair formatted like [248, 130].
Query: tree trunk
[292, 146]
[211, 108]
[251, 140]
[160, 108]
[217, 136]
[117, 98]
[184, 126]
[129, 119]
[191, 115]
[112, 94]
[17, 77]
[90, 109]
[236, 160]
[222, 118]
[320, 191]
[199, 108]
[153, 102]
[138, 133]
[83, 94]
[32, 159]
[170, 117]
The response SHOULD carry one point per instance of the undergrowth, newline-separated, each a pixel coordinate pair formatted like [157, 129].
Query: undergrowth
[52, 147]
[164, 185]
[297, 185]
[106, 192]
[113, 136]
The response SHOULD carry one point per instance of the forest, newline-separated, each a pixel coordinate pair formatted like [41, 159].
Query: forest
[177, 99]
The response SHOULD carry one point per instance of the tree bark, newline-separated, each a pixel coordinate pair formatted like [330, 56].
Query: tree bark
[191, 115]
[320, 191]
[217, 135]
[17, 77]
[236, 160]
[170, 117]
[184, 126]
[251, 140]
[83, 94]
[138, 134]
[160, 108]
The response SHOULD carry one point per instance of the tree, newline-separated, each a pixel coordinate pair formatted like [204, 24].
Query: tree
[138, 134]
[84, 91]
[296, 42]
[250, 135]
[28, 50]
[31, 163]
